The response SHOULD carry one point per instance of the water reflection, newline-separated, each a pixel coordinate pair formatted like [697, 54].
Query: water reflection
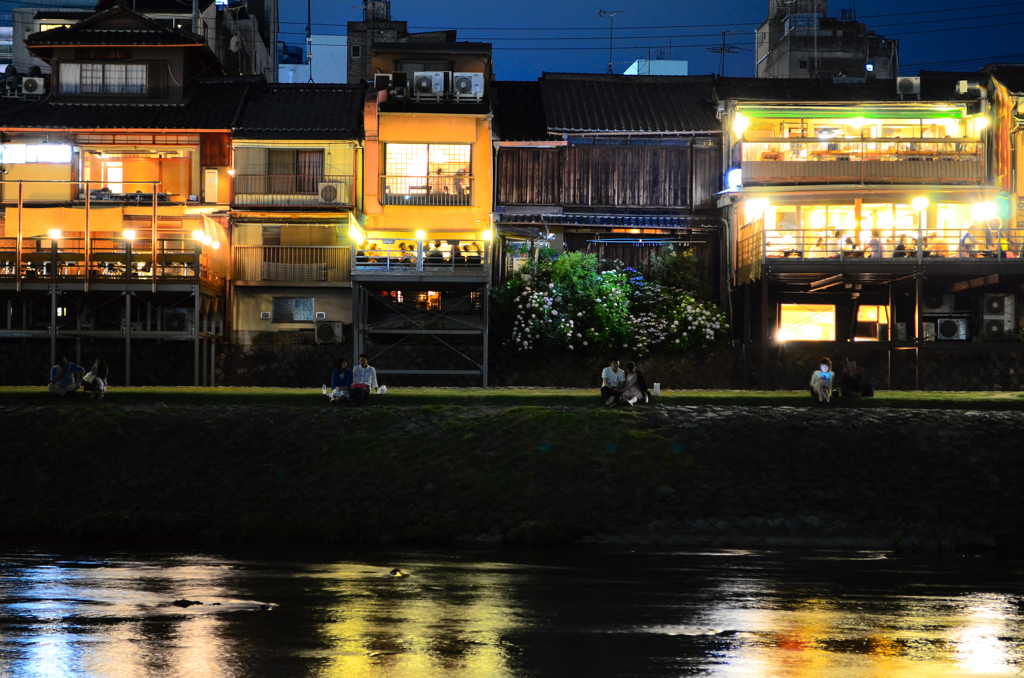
[507, 614]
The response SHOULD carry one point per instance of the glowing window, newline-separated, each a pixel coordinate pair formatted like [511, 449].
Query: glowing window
[807, 322]
[869, 320]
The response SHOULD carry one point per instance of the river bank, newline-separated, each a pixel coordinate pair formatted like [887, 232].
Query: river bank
[664, 475]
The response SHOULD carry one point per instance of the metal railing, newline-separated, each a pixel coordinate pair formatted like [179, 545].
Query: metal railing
[255, 263]
[873, 160]
[106, 260]
[293, 190]
[757, 246]
[444, 190]
[457, 256]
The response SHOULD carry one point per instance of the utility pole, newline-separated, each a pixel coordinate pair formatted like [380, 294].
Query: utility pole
[611, 33]
[724, 49]
[309, 41]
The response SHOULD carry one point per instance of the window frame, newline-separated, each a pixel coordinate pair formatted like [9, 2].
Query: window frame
[310, 301]
[107, 81]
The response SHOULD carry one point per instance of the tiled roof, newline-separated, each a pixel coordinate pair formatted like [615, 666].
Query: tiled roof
[302, 111]
[628, 103]
[518, 111]
[156, 6]
[214, 105]
[1010, 75]
[118, 26]
[439, 47]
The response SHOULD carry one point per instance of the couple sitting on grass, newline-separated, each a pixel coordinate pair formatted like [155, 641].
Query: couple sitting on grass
[66, 377]
[623, 387]
[852, 382]
[348, 386]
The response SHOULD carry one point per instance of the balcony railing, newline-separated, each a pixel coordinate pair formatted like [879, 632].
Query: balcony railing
[293, 190]
[253, 263]
[107, 260]
[468, 257]
[756, 247]
[785, 161]
[444, 190]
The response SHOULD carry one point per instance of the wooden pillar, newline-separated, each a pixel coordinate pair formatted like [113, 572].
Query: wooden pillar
[128, 334]
[486, 334]
[195, 332]
[88, 248]
[18, 247]
[765, 334]
[213, 362]
[152, 242]
[746, 334]
[918, 329]
[53, 301]
[892, 330]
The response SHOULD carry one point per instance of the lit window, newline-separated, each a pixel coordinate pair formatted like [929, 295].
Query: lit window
[870, 319]
[807, 322]
[19, 154]
[112, 78]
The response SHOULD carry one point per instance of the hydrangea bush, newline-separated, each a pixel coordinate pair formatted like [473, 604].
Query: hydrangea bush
[566, 302]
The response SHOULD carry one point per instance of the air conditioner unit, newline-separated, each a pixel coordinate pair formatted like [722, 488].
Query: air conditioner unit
[909, 85]
[937, 304]
[329, 332]
[210, 183]
[428, 84]
[332, 194]
[951, 329]
[179, 320]
[33, 86]
[382, 81]
[999, 315]
[468, 86]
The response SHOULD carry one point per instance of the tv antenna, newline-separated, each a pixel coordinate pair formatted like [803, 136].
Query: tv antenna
[611, 32]
[724, 49]
[309, 41]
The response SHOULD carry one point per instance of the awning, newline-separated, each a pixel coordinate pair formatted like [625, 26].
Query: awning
[608, 220]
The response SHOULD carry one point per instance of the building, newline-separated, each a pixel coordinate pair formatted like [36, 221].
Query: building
[296, 192]
[378, 27]
[242, 36]
[870, 224]
[329, 63]
[421, 275]
[610, 164]
[800, 40]
[115, 189]
[658, 67]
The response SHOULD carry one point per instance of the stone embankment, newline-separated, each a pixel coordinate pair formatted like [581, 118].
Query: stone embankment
[660, 475]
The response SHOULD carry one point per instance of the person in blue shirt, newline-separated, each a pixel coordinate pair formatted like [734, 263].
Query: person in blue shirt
[65, 377]
[823, 381]
[341, 381]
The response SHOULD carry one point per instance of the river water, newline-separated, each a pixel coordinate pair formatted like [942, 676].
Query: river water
[498, 613]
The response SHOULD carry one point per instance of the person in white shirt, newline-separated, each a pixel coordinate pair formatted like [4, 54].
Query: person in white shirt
[364, 378]
[611, 377]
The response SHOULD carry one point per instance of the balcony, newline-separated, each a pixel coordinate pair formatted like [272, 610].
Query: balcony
[111, 261]
[950, 249]
[293, 190]
[843, 161]
[295, 266]
[438, 190]
[455, 259]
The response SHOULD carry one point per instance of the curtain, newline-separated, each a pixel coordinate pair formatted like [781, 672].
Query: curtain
[70, 78]
[311, 170]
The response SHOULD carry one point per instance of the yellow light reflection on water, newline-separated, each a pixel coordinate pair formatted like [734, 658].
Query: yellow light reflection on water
[411, 627]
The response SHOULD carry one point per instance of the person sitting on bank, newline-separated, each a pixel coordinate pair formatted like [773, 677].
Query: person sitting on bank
[364, 378]
[823, 381]
[65, 377]
[629, 390]
[341, 382]
[854, 381]
[96, 381]
[611, 378]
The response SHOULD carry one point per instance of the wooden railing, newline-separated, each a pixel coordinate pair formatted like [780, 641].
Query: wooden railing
[254, 263]
[787, 161]
[756, 247]
[453, 256]
[443, 190]
[107, 260]
[293, 190]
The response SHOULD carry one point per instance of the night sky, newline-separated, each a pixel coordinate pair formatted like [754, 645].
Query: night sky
[533, 36]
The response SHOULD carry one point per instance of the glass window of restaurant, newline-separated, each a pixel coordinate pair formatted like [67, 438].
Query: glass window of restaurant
[855, 139]
[885, 230]
[807, 322]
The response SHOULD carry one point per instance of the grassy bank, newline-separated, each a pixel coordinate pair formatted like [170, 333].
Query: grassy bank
[512, 397]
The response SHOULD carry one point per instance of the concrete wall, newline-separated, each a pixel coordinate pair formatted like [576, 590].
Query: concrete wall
[247, 326]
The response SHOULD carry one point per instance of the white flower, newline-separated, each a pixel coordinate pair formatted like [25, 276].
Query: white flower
[580, 314]
[553, 312]
[584, 343]
[570, 347]
[677, 341]
[551, 285]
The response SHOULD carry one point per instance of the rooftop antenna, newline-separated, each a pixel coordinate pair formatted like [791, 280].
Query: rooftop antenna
[309, 41]
[724, 49]
[611, 32]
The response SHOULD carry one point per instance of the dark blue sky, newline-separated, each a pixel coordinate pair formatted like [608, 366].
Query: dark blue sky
[531, 36]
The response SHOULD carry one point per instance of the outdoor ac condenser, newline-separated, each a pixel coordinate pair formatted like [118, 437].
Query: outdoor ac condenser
[210, 184]
[331, 193]
[951, 329]
[999, 315]
[329, 332]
